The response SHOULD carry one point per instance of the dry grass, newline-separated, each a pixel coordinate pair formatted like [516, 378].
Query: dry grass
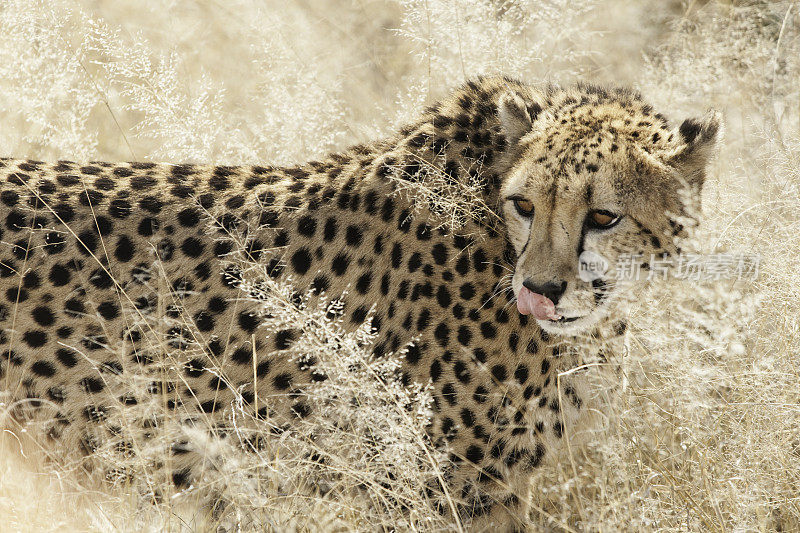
[705, 433]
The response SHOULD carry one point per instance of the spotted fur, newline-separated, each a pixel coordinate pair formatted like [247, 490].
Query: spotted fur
[94, 256]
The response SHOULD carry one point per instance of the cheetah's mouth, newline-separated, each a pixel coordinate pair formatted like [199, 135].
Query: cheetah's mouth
[544, 311]
[565, 319]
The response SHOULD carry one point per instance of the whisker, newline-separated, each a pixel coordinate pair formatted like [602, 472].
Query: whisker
[505, 266]
[499, 289]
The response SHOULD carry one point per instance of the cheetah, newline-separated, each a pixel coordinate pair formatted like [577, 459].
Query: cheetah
[487, 309]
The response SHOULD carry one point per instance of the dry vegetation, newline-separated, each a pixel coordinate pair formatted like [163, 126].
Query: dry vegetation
[705, 433]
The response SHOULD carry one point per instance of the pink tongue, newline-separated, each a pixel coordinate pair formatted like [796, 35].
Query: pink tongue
[531, 303]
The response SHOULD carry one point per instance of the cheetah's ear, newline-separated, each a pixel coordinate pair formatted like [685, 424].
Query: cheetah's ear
[514, 117]
[694, 144]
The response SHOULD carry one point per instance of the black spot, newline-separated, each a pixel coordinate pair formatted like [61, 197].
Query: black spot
[192, 247]
[513, 341]
[320, 284]
[165, 250]
[363, 282]
[218, 182]
[189, 217]
[301, 261]
[461, 372]
[241, 356]
[9, 198]
[108, 310]
[91, 198]
[501, 316]
[148, 226]
[57, 394]
[248, 321]
[281, 239]
[31, 280]
[474, 454]
[268, 218]
[481, 394]
[414, 262]
[67, 357]
[354, 236]
[436, 370]
[443, 297]
[23, 249]
[532, 347]
[235, 202]
[340, 263]
[467, 291]
[479, 260]
[521, 374]
[301, 410]
[16, 294]
[103, 225]
[54, 242]
[35, 338]
[92, 385]
[7, 268]
[442, 334]
[467, 417]
[124, 250]
[397, 255]
[413, 354]
[387, 210]
[95, 413]
[464, 335]
[151, 204]
[499, 372]
[202, 271]
[16, 221]
[204, 321]
[142, 182]
[307, 226]
[208, 406]
[404, 221]
[329, 233]
[449, 394]
[424, 232]
[359, 314]
[119, 208]
[378, 246]
[284, 339]
[424, 320]
[402, 290]
[439, 253]
[448, 428]
[43, 368]
[43, 316]
[385, 280]
[282, 381]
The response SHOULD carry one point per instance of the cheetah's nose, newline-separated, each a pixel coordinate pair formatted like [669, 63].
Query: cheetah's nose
[551, 290]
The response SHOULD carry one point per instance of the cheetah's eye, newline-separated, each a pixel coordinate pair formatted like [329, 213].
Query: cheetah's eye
[603, 219]
[524, 207]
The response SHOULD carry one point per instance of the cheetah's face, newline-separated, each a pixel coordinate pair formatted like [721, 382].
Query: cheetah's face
[583, 200]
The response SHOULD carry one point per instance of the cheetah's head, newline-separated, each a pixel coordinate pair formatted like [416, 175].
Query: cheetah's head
[597, 182]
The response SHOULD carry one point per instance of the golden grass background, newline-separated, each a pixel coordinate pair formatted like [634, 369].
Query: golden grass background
[706, 432]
